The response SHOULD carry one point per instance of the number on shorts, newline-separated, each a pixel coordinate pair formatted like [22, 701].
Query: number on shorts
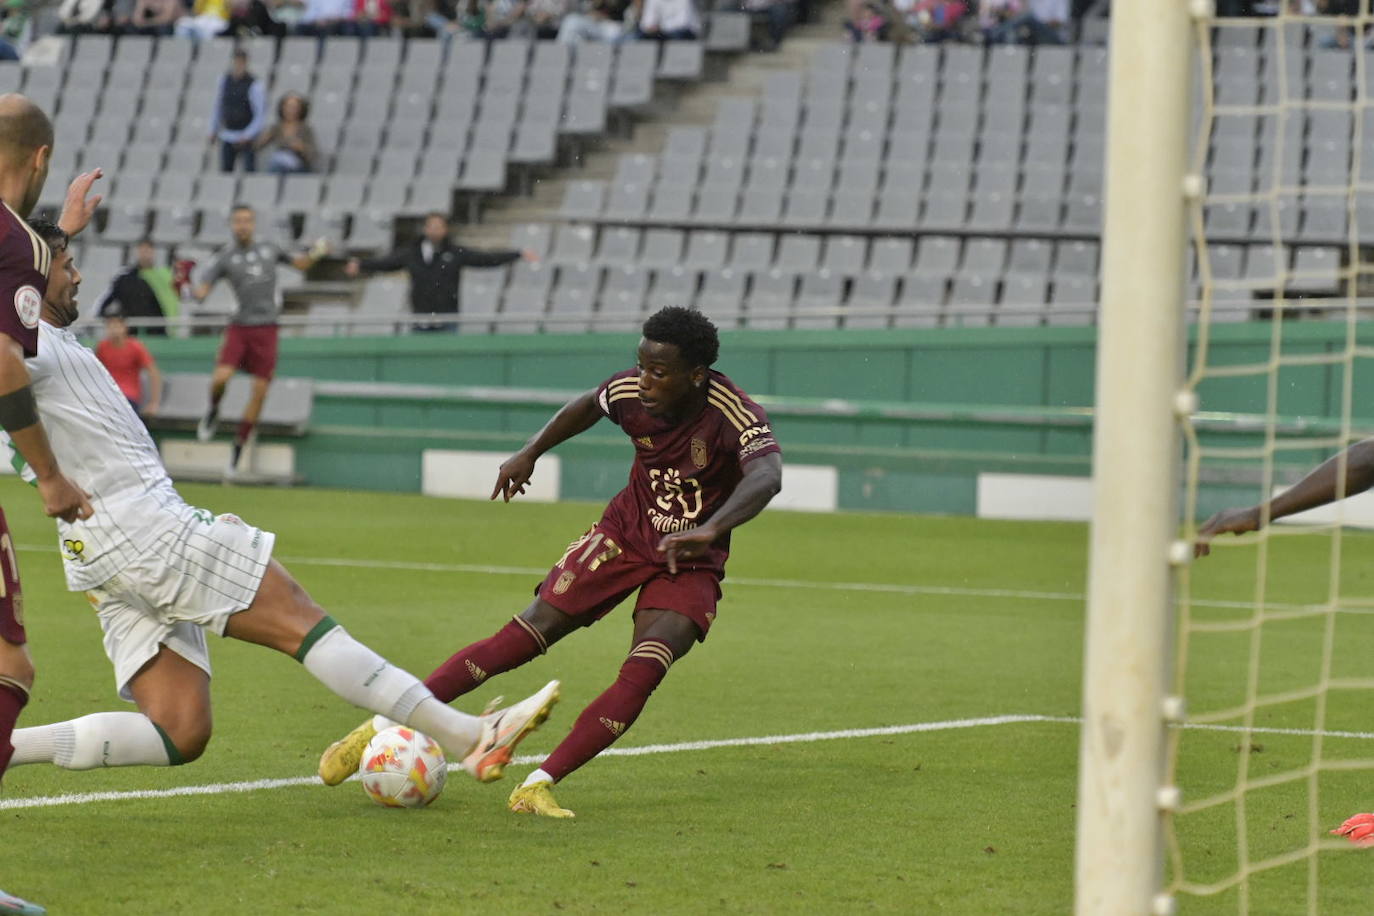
[591, 540]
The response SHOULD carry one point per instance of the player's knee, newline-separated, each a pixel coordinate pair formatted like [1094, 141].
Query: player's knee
[551, 623]
[190, 738]
[647, 664]
[17, 668]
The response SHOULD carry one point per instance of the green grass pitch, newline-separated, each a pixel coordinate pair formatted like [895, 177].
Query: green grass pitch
[838, 622]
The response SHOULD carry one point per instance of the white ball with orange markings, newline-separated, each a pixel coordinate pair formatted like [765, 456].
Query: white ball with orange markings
[402, 768]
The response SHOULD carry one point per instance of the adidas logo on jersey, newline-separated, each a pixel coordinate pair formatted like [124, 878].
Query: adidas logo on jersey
[478, 674]
[613, 726]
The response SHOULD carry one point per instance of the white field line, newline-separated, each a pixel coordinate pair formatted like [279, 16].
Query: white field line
[890, 588]
[225, 788]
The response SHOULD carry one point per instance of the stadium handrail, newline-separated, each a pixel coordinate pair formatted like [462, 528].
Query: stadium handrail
[897, 412]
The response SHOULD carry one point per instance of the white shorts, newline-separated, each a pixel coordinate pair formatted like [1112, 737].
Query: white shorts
[206, 572]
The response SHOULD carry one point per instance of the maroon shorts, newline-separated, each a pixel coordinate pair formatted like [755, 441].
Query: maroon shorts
[12, 601]
[594, 576]
[252, 348]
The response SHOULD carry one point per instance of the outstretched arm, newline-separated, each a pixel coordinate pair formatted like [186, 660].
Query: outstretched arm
[762, 481]
[1322, 486]
[578, 415]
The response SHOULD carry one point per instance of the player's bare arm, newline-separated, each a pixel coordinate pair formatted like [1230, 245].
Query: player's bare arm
[1322, 486]
[79, 208]
[577, 416]
[19, 417]
[762, 481]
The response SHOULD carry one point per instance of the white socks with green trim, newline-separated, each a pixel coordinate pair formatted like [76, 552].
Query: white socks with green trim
[104, 739]
[364, 678]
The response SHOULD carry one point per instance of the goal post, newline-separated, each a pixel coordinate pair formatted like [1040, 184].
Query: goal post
[1136, 458]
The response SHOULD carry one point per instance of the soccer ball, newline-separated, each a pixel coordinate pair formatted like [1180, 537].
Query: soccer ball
[402, 768]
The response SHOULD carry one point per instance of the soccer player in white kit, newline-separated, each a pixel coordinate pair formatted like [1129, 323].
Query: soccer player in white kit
[160, 573]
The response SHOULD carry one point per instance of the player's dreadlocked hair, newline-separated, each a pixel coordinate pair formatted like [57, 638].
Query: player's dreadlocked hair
[687, 329]
[50, 233]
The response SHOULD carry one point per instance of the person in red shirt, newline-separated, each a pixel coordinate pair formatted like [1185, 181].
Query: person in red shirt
[705, 462]
[125, 358]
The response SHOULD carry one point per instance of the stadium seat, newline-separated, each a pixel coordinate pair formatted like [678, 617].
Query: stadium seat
[752, 251]
[662, 248]
[870, 301]
[676, 286]
[618, 246]
[920, 302]
[819, 301]
[573, 245]
[706, 250]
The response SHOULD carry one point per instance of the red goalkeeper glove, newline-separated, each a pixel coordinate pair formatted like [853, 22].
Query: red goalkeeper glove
[1358, 830]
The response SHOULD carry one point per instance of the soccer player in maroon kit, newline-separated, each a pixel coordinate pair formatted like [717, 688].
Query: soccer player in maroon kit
[705, 463]
[26, 139]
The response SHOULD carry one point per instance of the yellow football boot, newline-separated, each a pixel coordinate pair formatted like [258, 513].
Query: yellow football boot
[537, 799]
[340, 760]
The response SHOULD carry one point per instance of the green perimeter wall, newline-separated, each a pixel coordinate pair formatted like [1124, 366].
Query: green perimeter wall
[926, 465]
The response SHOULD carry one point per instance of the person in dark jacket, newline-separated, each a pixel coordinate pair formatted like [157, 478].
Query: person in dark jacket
[141, 290]
[239, 115]
[435, 266]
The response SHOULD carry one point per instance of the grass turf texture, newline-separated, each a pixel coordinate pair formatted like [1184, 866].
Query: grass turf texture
[968, 821]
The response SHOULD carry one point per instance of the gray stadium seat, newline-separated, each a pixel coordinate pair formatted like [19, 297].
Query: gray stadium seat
[761, 206]
[715, 206]
[971, 299]
[805, 209]
[727, 31]
[662, 248]
[798, 253]
[819, 301]
[627, 202]
[682, 60]
[870, 301]
[852, 208]
[671, 204]
[706, 250]
[536, 237]
[845, 254]
[752, 251]
[618, 245]
[1023, 300]
[920, 301]
[722, 295]
[937, 255]
[573, 244]
[676, 285]
[583, 200]
[1076, 258]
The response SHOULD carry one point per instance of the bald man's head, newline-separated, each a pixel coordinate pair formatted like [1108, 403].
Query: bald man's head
[26, 139]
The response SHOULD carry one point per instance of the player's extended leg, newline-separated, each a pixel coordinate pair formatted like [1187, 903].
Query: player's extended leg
[283, 617]
[16, 680]
[219, 380]
[660, 638]
[249, 422]
[525, 637]
[172, 725]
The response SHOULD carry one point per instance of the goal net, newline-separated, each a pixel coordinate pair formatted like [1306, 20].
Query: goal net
[1274, 740]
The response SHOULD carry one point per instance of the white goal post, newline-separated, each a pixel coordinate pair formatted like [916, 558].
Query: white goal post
[1136, 459]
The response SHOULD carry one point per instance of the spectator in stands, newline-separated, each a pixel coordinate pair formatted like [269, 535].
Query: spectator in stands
[126, 360]
[239, 112]
[371, 18]
[208, 18]
[326, 17]
[144, 289]
[76, 17]
[594, 20]
[1035, 22]
[778, 16]
[443, 18]
[154, 17]
[290, 143]
[256, 17]
[503, 19]
[934, 21]
[544, 17]
[867, 21]
[668, 20]
[435, 267]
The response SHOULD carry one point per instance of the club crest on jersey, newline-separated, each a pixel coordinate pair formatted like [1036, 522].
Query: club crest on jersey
[564, 582]
[644, 442]
[28, 304]
[700, 457]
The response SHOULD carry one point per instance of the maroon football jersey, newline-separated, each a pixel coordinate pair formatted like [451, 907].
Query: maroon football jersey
[682, 473]
[24, 263]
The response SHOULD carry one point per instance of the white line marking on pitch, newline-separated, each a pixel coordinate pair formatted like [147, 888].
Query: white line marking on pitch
[225, 788]
[890, 588]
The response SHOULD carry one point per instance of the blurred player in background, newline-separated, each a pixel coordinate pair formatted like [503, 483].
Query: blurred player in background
[250, 340]
[126, 359]
[705, 463]
[26, 139]
[161, 573]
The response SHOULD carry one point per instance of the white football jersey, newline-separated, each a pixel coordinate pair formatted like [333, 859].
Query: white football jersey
[104, 448]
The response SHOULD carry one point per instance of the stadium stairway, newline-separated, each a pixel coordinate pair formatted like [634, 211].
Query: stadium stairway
[694, 104]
